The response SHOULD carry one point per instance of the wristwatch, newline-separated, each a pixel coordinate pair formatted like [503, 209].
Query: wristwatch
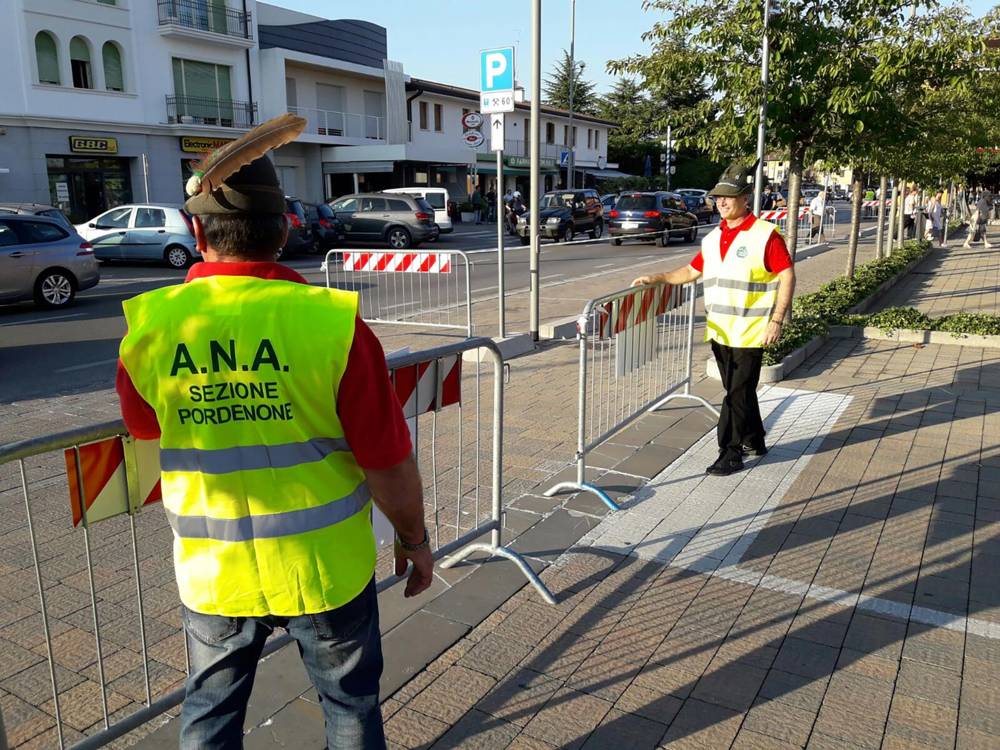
[778, 322]
[407, 547]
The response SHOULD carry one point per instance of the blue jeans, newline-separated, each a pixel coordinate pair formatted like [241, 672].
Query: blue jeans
[341, 650]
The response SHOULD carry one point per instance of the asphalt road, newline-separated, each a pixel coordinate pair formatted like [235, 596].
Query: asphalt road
[52, 353]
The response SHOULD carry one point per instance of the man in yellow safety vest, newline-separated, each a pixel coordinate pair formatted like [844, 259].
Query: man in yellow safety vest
[278, 427]
[749, 282]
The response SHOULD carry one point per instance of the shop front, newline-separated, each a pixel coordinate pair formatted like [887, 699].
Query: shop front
[89, 179]
[194, 149]
[516, 173]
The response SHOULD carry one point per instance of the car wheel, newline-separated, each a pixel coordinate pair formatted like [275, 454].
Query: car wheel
[664, 239]
[177, 256]
[616, 241]
[398, 238]
[597, 231]
[55, 288]
[566, 235]
[692, 234]
[525, 240]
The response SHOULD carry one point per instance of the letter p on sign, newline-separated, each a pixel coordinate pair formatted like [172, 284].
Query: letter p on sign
[497, 70]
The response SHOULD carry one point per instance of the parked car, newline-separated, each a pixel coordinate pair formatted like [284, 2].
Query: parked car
[437, 198]
[608, 202]
[659, 216]
[43, 260]
[699, 206]
[699, 193]
[563, 214]
[152, 232]
[327, 230]
[300, 233]
[396, 219]
[36, 209]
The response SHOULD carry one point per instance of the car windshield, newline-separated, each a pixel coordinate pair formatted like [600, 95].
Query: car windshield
[424, 205]
[435, 200]
[557, 200]
[636, 203]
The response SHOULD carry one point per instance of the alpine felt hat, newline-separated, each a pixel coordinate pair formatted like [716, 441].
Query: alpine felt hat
[736, 180]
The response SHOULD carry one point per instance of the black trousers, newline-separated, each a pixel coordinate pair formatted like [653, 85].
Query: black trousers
[739, 422]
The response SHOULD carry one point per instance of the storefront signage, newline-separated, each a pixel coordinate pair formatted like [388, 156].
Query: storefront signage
[62, 192]
[523, 162]
[84, 144]
[194, 145]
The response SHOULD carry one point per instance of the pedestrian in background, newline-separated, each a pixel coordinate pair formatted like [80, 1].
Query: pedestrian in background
[767, 199]
[477, 204]
[491, 205]
[749, 282]
[869, 197]
[979, 220]
[935, 219]
[910, 208]
[269, 494]
[817, 208]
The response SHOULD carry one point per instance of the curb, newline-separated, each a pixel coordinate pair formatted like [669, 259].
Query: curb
[912, 336]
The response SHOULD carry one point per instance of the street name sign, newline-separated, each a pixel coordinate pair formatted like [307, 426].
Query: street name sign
[496, 80]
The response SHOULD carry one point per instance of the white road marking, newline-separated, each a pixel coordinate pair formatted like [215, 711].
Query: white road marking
[553, 276]
[41, 320]
[88, 365]
[607, 265]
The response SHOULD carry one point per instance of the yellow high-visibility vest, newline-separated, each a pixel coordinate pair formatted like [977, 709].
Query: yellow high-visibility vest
[740, 293]
[270, 511]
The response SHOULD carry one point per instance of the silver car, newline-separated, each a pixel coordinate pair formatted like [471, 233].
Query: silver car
[156, 232]
[43, 260]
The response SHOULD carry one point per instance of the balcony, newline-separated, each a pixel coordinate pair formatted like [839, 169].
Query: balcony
[205, 19]
[523, 148]
[220, 113]
[341, 124]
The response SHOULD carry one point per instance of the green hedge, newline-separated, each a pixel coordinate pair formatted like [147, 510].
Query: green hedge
[814, 313]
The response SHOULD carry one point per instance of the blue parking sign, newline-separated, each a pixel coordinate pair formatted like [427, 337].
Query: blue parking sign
[496, 80]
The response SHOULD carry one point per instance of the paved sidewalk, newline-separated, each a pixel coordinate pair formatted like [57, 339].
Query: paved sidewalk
[540, 430]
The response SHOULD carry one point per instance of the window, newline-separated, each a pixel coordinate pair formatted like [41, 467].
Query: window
[438, 112]
[398, 205]
[597, 139]
[373, 204]
[291, 95]
[423, 115]
[204, 91]
[115, 219]
[7, 235]
[573, 135]
[55, 213]
[550, 132]
[79, 59]
[38, 232]
[108, 2]
[146, 218]
[527, 136]
[565, 135]
[47, 57]
[590, 136]
[435, 200]
[114, 76]
[345, 205]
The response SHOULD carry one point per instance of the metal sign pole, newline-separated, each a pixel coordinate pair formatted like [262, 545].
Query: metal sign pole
[765, 61]
[534, 197]
[501, 211]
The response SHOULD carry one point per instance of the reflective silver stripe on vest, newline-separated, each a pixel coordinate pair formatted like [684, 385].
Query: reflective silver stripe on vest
[249, 457]
[742, 312]
[271, 525]
[746, 286]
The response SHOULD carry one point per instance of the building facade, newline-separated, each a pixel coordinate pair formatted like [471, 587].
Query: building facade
[108, 102]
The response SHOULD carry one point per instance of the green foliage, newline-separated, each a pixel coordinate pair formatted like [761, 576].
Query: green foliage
[556, 87]
[977, 324]
[894, 319]
[812, 314]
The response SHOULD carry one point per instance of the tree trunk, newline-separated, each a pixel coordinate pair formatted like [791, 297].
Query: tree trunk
[890, 229]
[857, 185]
[901, 217]
[794, 186]
[883, 188]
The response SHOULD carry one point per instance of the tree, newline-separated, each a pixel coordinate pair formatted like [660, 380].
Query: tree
[824, 86]
[556, 87]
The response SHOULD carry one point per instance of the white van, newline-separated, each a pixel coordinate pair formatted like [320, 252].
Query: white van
[437, 197]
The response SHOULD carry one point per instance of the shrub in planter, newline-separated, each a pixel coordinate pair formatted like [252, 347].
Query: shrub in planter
[969, 323]
[895, 318]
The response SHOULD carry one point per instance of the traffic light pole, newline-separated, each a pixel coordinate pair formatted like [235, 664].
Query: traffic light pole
[669, 163]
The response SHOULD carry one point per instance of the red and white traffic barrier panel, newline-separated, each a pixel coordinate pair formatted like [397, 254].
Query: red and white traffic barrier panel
[780, 214]
[428, 386]
[104, 480]
[393, 262]
[632, 310]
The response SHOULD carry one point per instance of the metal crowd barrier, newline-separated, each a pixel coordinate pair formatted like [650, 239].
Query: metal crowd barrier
[456, 421]
[406, 287]
[636, 354]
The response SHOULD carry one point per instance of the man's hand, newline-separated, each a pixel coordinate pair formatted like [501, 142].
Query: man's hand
[422, 574]
[643, 281]
[773, 333]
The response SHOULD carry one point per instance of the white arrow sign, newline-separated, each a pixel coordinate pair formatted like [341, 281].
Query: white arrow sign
[496, 132]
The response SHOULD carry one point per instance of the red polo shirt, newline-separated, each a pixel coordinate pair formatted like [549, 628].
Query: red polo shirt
[366, 402]
[776, 257]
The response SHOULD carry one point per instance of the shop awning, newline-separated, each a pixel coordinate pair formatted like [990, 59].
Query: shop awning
[604, 174]
[361, 167]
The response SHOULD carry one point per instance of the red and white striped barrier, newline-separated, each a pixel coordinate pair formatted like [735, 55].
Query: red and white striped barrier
[781, 214]
[393, 262]
[103, 477]
[874, 204]
[618, 316]
[428, 386]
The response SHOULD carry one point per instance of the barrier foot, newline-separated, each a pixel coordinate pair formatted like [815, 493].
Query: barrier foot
[593, 490]
[508, 554]
[691, 396]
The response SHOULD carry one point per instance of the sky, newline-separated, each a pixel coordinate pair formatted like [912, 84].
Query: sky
[442, 41]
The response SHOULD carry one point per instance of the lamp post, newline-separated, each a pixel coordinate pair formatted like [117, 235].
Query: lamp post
[765, 62]
[536, 93]
[571, 161]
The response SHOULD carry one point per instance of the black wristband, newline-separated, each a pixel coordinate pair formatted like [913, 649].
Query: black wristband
[425, 544]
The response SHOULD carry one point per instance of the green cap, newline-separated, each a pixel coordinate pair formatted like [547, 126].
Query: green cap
[736, 180]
